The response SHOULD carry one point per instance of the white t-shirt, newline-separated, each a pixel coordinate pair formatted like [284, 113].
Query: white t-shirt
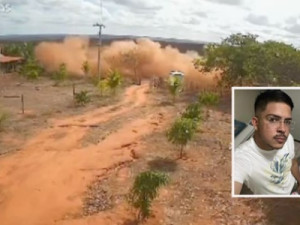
[265, 172]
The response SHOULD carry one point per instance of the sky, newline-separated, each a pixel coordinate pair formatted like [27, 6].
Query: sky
[198, 20]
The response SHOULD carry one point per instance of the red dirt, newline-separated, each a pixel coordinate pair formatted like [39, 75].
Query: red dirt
[45, 180]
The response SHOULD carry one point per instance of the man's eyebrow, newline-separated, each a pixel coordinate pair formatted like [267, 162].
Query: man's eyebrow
[279, 117]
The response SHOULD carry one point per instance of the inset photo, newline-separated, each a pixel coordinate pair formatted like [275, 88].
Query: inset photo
[266, 142]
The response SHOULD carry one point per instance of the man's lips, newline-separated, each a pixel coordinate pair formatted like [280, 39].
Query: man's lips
[280, 139]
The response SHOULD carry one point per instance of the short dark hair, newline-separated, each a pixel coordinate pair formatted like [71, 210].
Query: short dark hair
[268, 96]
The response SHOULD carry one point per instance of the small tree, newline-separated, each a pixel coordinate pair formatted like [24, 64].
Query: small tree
[85, 68]
[181, 132]
[175, 86]
[145, 190]
[62, 73]
[194, 112]
[102, 85]
[114, 80]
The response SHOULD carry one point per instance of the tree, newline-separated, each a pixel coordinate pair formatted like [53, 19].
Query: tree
[240, 59]
[175, 86]
[134, 59]
[24, 50]
[181, 132]
[145, 190]
[284, 61]
[114, 80]
[194, 112]
[243, 60]
[85, 68]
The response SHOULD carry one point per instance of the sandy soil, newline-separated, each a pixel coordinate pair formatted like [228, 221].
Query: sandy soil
[72, 163]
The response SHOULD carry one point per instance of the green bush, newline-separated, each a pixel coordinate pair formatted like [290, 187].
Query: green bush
[82, 98]
[193, 111]
[175, 86]
[145, 190]
[62, 73]
[209, 98]
[114, 80]
[181, 132]
[242, 60]
[31, 69]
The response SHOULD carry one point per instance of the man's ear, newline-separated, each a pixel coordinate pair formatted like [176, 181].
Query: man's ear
[255, 122]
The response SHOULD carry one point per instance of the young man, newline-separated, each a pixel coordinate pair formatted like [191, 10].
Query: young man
[265, 163]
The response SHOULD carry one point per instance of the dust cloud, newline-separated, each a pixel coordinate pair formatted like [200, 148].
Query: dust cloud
[142, 58]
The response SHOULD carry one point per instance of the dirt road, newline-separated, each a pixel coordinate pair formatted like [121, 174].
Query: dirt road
[44, 181]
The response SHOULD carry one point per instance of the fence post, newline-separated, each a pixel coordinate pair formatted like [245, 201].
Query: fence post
[73, 90]
[22, 102]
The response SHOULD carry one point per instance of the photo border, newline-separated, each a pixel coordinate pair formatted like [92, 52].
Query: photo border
[232, 140]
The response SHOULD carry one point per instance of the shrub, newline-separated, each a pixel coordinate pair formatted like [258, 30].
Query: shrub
[31, 69]
[82, 98]
[175, 86]
[114, 80]
[181, 132]
[61, 74]
[193, 111]
[145, 190]
[209, 98]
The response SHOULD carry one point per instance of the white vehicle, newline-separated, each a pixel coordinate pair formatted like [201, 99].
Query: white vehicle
[176, 73]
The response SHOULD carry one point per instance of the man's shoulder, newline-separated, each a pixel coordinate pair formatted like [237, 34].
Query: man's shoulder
[245, 146]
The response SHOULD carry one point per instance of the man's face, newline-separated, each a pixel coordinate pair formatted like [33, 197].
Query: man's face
[271, 126]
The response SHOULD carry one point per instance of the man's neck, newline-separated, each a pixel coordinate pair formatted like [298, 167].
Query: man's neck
[260, 143]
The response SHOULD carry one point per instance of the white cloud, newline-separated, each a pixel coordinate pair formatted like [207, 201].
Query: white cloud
[259, 20]
[202, 20]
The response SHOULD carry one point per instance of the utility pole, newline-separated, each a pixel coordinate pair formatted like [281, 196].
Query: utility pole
[99, 46]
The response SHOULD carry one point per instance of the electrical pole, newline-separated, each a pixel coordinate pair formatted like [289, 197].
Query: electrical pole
[99, 46]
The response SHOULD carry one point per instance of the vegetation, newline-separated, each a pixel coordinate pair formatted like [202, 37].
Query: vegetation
[243, 60]
[24, 50]
[114, 80]
[181, 132]
[134, 59]
[61, 74]
[31, 69]
[82, 98]
[102, 85]
[194, 112]
[145, 190]
[85, 68]
[209, 98]
[3, 118]
[175, 86]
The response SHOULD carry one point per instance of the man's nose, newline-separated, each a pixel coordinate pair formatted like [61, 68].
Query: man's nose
[282, 126]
